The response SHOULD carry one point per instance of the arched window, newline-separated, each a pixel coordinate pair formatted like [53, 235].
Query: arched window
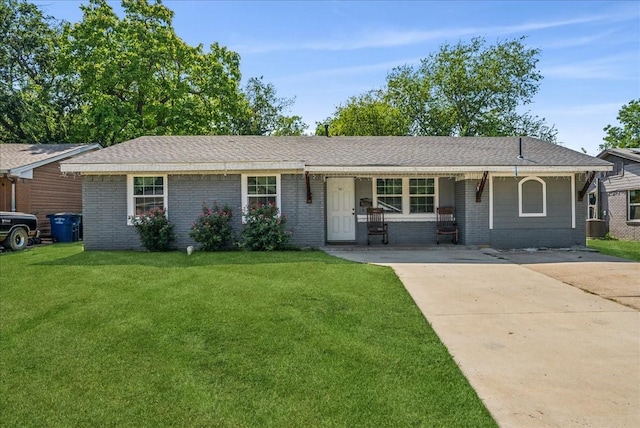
[532, 197]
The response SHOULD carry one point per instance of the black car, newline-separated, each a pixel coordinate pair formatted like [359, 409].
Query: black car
[17, 229]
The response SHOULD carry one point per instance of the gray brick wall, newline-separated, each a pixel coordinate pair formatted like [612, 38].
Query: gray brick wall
[409, 233]
[472, 216]
[306, 222]
[187, 193]
[537, 238]
[104, 214]
[105, 208]
[617, 214]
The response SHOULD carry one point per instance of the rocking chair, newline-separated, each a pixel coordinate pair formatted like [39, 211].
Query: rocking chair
[446, 224]
[376, 224]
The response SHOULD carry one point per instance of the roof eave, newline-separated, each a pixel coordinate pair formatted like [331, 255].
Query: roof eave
[455, 169]
[26, 171]
[298, 166]
[187, 168]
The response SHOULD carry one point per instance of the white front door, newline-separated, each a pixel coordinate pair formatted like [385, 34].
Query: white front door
[341, 209]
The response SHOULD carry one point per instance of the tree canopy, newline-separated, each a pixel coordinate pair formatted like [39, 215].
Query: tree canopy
[366, 114]
[34, 98]
[264, 111]
[110, 78]
[627, 135]
[466, 89]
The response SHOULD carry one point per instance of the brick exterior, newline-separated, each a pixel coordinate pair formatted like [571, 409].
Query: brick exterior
[105, 208]
[614, 197]
[617, 213]
[472, 216]
[105, 213]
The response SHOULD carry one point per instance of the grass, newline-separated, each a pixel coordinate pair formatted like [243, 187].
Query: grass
[218, 339]
[613, 247]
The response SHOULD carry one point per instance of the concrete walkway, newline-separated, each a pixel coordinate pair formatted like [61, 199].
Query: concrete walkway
[537, 351]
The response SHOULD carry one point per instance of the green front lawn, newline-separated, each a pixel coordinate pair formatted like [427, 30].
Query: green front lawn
[613, 247]
[218, 339]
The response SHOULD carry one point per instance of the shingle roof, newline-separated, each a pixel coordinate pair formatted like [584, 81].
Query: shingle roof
[20, 155]
[337, 152]
[631, 154]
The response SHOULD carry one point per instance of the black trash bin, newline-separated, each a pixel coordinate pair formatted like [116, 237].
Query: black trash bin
[65, 227]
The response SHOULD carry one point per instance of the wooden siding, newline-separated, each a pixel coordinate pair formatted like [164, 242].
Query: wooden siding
[505, 202]
[628, 180]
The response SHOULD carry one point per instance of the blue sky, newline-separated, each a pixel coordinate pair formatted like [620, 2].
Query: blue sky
[323, 52]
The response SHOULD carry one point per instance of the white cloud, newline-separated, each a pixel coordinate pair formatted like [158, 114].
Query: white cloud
[581, 110]
[379, 38]
[618, 67]
[349, 71]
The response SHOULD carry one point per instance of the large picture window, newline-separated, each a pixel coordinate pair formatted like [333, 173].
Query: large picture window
[405, 196]
[634, 205]
[145, 193]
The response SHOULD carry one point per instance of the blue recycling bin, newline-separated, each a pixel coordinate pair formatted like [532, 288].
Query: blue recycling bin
[65, 227]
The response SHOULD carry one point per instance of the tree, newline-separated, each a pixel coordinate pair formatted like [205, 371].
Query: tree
[264, 111]
[137, 77]
[627, 136]
[366, 114]
[466, 89]
[37, 103]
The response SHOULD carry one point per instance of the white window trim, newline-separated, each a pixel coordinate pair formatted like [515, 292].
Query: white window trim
[245, 190]
[544, 197]
[131, 206]
[629, 204]
[406, 202]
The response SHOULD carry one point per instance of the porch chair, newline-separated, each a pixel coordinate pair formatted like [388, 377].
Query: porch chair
[376, 224]
[446, 224]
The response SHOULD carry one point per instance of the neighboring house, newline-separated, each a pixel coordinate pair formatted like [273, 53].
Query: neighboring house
[614, 198]
[31, 181]
[507, 192]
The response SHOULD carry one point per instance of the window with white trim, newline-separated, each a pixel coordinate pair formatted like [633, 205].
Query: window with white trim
[145, 193]
[634, 205]
[405, 196]
[260, 189]
[389, 194]
[422, 195]
[532, 197]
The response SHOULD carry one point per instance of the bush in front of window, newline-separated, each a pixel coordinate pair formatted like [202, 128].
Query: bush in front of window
[154, 229]
[212, 229]
[264, 229]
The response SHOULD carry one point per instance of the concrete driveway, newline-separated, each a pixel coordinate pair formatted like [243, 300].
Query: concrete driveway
[538, 351]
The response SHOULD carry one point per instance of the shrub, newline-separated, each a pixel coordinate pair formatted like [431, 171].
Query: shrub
[154, 229]
[212, 229]
[264, 229]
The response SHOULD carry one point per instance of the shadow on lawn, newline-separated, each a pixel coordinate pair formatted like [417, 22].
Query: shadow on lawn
[182, 260]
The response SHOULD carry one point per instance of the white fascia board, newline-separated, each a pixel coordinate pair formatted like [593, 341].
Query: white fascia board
[452, 169]
[187, 168]
[26, 171]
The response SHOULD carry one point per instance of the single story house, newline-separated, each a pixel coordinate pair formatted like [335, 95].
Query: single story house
[614, 197]
[31, 181]
[508, 192]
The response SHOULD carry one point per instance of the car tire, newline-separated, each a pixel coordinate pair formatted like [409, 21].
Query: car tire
[17, 240]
